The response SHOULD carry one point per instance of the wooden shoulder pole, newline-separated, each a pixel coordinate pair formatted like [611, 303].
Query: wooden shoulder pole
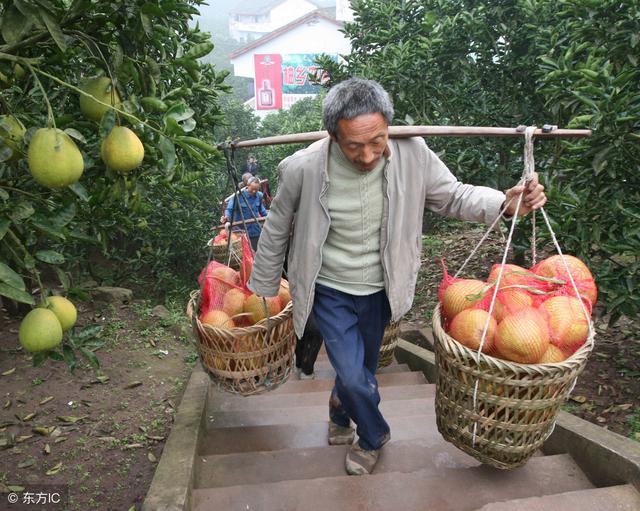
[416, 131]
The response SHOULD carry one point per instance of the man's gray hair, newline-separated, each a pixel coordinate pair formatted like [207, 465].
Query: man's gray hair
[354, 97]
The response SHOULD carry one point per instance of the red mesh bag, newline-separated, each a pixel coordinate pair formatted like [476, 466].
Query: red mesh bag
[554, 268]
[215, 280]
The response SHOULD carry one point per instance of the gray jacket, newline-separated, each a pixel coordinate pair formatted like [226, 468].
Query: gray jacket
[414, 177]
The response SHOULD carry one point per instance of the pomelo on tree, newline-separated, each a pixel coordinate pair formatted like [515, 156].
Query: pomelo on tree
[40, 330]
[54, 159]
[122, 150]
[12, 132]
[64, 310]
[100, 88]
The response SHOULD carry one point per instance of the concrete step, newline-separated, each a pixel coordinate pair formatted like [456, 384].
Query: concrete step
[611, 498]
[224, 402]
[328, 461]
[331, 374]
[325, 365]
[384, 380]
[305, 435]
[391, 408]
[446, 489]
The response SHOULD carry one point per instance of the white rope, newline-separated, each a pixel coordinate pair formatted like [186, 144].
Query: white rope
[526, 176]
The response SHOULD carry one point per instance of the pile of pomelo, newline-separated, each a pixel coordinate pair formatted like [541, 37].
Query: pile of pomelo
[537, 316]
[228, 303]
[42, 328]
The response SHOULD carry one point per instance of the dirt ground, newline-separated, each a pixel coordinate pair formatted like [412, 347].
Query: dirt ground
[98, 432]
[101, 432]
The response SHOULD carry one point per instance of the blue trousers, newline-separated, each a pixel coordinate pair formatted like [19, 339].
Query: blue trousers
[352, 328]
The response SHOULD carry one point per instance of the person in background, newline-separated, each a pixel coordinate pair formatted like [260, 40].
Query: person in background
[358, 199]
[252, 165]
[250, 202]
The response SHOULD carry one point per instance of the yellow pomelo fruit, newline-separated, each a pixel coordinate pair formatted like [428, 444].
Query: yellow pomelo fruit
[19, 72]
[40, 330]
[218, 319]
[522, 337]
[101, 89]
[122, 150]
[254, 305]
[284, 294]
[54, 160]
[462, 294]
[467, 328]
[64, 310]
[12, 132]
[233, 302]
[568, 326]
[553, 355]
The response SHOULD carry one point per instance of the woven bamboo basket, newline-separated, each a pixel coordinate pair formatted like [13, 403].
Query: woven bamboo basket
[516, 404]
[389, 343]
[219, 253]
[246, 360]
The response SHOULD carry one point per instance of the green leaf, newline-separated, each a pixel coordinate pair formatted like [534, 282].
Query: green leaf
[69, 357]
[153, 104]
[179, 112]
[5, 223]
[10, 277]
[55, 355]
[168, 151]
[200, 144]
[63, 277]
[107, 123]
[54, 29]
[91, 357]
[16, 294]
[152, 9]
[50, 256]
[48, 228]
[39, 358]
[22, 211]
[4, 195]
[73, 133]
[146, 24]
[65, 215]
[15, 25]
[89, 332]
[80, 191]
[199, 50]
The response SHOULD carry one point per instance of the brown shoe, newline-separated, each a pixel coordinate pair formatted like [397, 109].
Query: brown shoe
[359, 461]
[340, 435]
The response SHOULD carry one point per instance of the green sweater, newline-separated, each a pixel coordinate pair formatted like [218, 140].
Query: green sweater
[351, 254]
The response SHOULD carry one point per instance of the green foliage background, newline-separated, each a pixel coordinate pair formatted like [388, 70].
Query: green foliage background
[150, 224]
[573, 63]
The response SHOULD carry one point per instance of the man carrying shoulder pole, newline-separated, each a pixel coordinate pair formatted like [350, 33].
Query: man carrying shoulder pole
[358, 198]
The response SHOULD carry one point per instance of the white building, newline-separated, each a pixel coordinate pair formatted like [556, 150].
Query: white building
[250, 20]
[280, 62]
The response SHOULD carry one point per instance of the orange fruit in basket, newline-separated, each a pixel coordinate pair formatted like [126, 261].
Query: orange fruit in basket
[284, 294]
[554, 267]
[467, 327]
[553, 355]
[225, 273]
[509, 301]
[461, 294]
[512, 274]
[217, 318]
[255, 306]
[233, 302]
[568, 326]
[522, 337]
[247, 344]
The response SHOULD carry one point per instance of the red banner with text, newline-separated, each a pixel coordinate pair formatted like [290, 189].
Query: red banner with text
[268, 81]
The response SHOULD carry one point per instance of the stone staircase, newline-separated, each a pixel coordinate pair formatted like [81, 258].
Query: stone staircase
[270, 452]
